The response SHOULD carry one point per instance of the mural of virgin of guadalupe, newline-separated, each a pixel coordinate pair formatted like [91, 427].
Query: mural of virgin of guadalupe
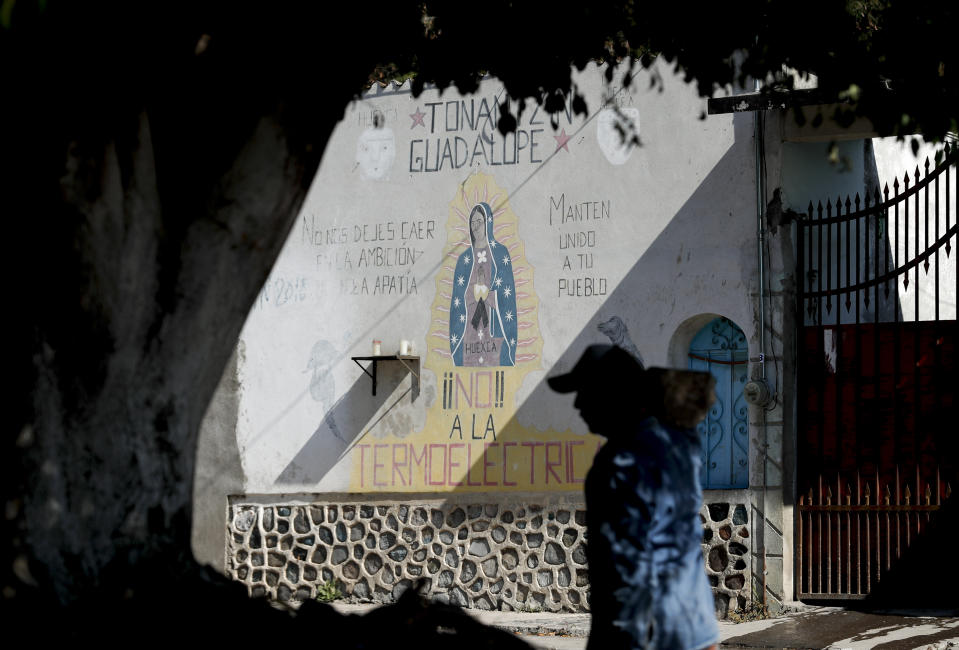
[483, 306]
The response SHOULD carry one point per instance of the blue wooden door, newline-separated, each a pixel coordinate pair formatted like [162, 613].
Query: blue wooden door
[720, 348]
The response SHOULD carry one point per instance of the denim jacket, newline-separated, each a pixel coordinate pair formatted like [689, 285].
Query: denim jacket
[648, 582]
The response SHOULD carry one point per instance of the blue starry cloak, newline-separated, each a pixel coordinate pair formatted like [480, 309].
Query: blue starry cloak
[494, 316]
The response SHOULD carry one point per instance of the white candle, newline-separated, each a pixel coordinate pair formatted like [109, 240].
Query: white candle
[376, 348]
[404, 347]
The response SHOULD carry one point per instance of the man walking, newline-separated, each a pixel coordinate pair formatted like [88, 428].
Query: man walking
[647, 579]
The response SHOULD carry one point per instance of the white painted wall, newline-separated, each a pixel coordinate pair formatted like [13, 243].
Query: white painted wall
[679, 241]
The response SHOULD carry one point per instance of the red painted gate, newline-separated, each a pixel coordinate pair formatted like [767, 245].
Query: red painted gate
[877, 378]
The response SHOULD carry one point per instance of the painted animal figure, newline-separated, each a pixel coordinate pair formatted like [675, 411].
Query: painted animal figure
[618, 335]
[322, 386]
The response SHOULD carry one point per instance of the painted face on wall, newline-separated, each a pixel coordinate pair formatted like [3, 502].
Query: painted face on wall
[478, 225]
[375, 151]
[614, 132]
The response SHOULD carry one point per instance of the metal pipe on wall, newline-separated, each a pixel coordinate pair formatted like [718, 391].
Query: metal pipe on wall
[759, 137]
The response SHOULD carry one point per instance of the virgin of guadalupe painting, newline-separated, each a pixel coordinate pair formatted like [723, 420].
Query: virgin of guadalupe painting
[483, 304]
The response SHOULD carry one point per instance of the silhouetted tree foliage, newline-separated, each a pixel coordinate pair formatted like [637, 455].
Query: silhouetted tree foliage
[154, 157]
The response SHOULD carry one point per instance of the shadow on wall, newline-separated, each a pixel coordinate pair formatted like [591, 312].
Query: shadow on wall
[353, 412]
[665, 287]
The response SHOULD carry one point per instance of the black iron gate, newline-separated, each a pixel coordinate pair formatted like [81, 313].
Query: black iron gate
[877, 376]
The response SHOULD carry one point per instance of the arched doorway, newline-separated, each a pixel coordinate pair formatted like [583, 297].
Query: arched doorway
[720, 348]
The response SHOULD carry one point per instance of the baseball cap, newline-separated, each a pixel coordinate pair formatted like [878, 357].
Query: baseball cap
[599, 363]
[679, 397]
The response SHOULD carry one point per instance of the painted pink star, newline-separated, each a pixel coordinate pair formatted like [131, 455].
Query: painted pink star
[418, 118]
[561, 140]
